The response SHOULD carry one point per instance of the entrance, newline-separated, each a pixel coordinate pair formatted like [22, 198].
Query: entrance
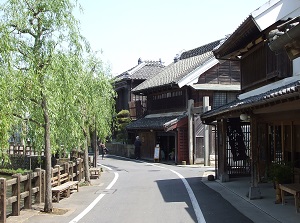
[238, 148]
[166, 141]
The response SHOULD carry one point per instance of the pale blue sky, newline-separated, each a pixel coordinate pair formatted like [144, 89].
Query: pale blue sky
[151, 29]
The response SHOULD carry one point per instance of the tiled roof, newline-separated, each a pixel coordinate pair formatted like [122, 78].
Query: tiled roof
[286, 37]
[141, 71]
[154, 123]
[279, 93]
[173, 73]
[238, 40]
[200, 50]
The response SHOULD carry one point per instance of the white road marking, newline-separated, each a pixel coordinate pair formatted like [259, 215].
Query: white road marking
[92, 205]
[197, 209]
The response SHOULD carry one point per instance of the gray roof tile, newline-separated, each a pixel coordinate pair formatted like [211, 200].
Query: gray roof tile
[153, 123]
[141, 71]
[200, 50]
[173, 73]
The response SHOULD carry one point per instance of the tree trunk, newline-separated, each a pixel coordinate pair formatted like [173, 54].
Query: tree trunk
[86, 161]
[48, 207]
[94, 146]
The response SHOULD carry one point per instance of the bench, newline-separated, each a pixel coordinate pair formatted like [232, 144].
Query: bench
[61, 185]
[95, 173]
[292, 189]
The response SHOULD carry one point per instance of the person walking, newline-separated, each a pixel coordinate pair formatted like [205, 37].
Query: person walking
[137, 147]
[103, 149]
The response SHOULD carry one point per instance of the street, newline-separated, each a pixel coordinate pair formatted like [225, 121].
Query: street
[154, 192]
[138, 191]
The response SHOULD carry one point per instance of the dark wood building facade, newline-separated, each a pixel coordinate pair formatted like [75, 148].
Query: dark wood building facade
[263, 125]
[191, 77]
[125, 82]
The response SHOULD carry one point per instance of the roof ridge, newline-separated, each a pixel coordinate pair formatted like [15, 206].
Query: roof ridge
[200, 50]
[154, 63]
[136, 68]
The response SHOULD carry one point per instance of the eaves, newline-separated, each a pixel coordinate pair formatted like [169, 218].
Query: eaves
[284, 93]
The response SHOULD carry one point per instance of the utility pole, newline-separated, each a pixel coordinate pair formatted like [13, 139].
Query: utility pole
[190, 130]
[206, 107]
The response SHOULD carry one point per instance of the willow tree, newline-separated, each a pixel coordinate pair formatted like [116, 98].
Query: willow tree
[41, 47]
[6, 111]
[96, 104]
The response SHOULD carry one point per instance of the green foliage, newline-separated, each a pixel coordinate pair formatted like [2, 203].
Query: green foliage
[44, 74]
[123, 114]
[123, 119]
[95, 98]
[281, 172]
[41, 55]
[47, 86]
[12, 171]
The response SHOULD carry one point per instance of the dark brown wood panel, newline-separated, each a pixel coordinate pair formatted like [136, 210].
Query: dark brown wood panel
[227, 72]
[183, 151]
[167, 100]
[264, 66]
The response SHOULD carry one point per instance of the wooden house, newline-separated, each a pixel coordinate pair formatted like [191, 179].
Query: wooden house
[128, 80]
[175, 102]
[263, 125]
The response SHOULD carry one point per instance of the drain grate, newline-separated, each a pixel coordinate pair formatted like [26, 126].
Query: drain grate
[106, 191]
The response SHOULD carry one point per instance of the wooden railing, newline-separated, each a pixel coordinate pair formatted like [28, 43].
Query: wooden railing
[22, 191]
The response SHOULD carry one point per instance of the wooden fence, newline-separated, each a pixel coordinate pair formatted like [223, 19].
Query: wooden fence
[22, 191]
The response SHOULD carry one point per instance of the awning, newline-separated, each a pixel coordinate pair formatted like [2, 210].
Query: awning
[175, 123]
[280, 94]
[157, 122]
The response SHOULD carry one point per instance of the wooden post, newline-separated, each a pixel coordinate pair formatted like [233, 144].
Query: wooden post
[37, 183]
[207, 131]
[43, 185]
[254, 191]
[190, 131]
[28, 187]
[3, 200]
[79, 169]
[222, 147]
[58, 173]
[16, 190]
[66, 165]
[75, 169]
[71, 170]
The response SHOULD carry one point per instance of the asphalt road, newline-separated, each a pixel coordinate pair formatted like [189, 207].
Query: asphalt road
[133, 191]
[154, 192]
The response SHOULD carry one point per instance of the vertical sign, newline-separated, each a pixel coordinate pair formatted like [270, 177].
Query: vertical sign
[156, 152]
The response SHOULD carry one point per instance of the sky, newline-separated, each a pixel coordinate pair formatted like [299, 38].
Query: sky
[125, 30]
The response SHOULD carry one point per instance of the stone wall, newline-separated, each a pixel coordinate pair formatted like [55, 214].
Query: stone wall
[124, 150]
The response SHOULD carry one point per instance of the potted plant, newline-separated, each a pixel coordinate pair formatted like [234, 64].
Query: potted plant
[280, 172]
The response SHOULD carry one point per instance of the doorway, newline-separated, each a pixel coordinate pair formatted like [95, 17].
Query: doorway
[166, 141]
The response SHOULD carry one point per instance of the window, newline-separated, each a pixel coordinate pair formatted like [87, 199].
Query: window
[167, 95]
[222, 98]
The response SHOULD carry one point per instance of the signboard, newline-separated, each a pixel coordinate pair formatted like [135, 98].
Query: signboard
[156, 152]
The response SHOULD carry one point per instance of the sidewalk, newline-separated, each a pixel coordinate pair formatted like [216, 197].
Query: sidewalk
[235, 191]
[68, 208]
